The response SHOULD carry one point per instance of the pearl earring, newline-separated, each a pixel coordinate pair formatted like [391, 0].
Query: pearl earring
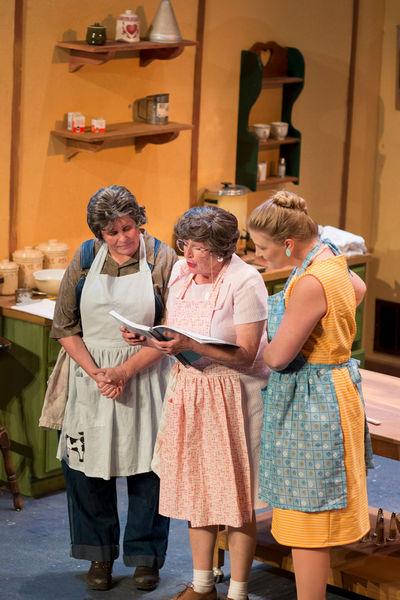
[220, 258]
[288, 252]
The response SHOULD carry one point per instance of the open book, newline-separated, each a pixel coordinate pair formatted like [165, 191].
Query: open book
[160, 332]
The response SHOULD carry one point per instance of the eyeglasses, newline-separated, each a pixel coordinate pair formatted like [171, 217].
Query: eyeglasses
[183, 245]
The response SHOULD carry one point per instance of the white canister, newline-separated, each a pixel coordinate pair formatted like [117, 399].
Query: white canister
[29, 260]
[127, 28]
[55, 254]
[9, 275]
[262, 171]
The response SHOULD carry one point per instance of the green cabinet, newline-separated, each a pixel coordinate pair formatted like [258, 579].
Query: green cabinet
[24, 372]
[276, 285]
[284, 69]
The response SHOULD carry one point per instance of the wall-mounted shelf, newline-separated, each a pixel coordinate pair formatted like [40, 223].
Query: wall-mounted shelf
[120, 134]
[284, 68]
[82, 53]
[271, 143]
[274, 82]
[270, 181]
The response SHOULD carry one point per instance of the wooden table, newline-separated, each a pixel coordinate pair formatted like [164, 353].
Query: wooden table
[364, 568]
[382, 400]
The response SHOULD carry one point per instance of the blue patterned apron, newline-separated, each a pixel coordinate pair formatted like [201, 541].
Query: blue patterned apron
[302, 452]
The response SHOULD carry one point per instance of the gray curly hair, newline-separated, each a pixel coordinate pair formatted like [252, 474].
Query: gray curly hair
[214, 226]
[111, 203]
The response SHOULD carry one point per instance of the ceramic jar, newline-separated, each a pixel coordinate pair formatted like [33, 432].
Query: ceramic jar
[127, 28]
[55, 254]
[9, 275]
[29, 260]
[96, 35]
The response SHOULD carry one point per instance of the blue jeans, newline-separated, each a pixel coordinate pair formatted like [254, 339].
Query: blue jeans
[94, 522]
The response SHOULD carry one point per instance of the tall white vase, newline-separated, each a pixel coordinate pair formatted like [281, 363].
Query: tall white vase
[164, 27]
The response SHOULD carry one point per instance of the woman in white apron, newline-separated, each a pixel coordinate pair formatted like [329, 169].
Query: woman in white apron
[106, 437]
[207, 450]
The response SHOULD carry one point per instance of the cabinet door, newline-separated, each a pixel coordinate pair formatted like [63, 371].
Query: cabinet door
[23, 373]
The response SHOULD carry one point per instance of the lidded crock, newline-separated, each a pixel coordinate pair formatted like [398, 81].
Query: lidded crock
[29, 260]
[8, 277]
[55, 254]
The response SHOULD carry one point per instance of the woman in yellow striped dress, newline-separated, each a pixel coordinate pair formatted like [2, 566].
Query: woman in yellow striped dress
[315, 444]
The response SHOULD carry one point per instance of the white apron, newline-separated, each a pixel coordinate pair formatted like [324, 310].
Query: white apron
[103, 437]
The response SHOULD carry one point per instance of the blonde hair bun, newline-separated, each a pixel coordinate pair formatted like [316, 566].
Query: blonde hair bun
[287, 199]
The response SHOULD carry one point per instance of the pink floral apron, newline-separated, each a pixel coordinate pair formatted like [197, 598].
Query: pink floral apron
[202, 450]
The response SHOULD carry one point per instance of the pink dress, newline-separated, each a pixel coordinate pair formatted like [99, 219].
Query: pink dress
[208, 444]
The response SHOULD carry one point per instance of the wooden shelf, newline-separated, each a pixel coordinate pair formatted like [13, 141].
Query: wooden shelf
[120, 134]
[262, 185]
[273, 143]
[82, 53]
[285, 69]
[273, 82]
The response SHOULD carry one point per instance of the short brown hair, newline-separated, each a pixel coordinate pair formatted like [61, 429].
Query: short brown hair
[111, 203]
[212, 225]
[284, 216]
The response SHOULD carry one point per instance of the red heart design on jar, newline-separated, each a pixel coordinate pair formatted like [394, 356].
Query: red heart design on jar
[131, 28]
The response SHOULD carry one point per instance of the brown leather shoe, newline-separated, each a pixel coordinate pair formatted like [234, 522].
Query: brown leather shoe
[146, 578]
[99, 575]
[189, 594]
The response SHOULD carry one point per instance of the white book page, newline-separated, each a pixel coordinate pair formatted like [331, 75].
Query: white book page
[135, 327]
[198, 337]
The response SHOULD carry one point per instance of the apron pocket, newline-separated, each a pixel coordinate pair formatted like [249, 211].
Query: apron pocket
[89, 401]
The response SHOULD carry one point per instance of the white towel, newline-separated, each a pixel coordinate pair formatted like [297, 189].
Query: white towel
[347, 242]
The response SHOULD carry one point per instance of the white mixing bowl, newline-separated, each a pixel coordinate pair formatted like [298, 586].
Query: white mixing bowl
[48, 280]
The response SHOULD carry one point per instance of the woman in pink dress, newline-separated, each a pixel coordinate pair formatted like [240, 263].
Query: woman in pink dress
[207, 450]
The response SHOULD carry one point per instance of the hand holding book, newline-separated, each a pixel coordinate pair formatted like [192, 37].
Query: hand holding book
[165, 333]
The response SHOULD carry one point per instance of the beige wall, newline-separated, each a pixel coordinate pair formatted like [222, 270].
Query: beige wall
[53, 191]
[385, 214]
[323, 36]
[6, 46]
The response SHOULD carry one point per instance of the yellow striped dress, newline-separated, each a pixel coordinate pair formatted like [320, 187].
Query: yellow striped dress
[330, 342]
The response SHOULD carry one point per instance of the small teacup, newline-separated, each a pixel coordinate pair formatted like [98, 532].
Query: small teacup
[261, 130]
[279, 129]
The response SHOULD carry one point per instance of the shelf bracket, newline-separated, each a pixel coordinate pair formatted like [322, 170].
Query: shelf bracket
[160, 138]
[74, 146]
[78, 58]
[147, 56]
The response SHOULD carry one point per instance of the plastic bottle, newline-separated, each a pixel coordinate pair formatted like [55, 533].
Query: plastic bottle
[282, 167]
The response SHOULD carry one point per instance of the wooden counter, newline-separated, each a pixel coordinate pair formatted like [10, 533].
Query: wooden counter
[6, 302]
[275, 274]
[24, 371]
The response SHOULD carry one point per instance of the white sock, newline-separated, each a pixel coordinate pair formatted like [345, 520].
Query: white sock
[237, 590]
[203, 581]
